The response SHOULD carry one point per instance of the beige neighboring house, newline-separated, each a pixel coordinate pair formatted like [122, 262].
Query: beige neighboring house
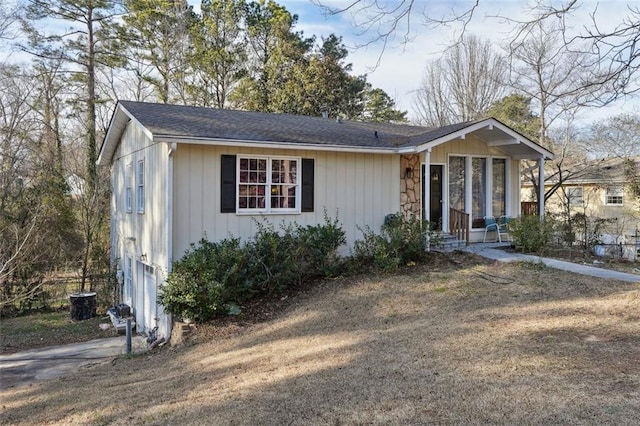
[600, 192]
[180, 174]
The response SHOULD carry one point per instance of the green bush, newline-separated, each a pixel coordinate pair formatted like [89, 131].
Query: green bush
[215, 277]
[530, 234]
[400, 242]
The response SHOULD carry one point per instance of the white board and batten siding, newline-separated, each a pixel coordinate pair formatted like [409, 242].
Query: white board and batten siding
[141, 236]
[359, 188]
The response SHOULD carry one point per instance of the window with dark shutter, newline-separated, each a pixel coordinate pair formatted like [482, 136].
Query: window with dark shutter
[228, 184]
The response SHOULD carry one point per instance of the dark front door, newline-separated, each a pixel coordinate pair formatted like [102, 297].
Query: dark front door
[435, 195]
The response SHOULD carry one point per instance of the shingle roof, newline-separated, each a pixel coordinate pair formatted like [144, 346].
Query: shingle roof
[208, 123]
[179, 123]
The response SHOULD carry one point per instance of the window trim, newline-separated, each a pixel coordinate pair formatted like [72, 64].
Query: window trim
[268, 209]
[128, 278]
[607, 196]
[140, 196]
[571, 198]
[128, 190]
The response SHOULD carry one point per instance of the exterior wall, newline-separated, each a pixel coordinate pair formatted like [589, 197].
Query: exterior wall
[141, 236]
[360, 188]
[474, 147]
[625, 217]
[410, 189]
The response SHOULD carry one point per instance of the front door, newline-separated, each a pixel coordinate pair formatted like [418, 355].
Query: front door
[435, 195]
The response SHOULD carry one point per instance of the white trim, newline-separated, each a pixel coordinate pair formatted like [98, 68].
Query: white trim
[606, 195]
[273, 145]
[269, 184]
[140, 186]
[128, 187]
[490, 124]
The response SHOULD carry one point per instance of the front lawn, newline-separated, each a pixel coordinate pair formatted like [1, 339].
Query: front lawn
[49, 329]
[455, 342]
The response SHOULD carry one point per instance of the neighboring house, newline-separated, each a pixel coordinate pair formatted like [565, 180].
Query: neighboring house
[182, 173]
[599, 191]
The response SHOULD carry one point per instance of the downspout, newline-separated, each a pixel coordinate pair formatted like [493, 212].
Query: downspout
[541, 187]
[169, 219]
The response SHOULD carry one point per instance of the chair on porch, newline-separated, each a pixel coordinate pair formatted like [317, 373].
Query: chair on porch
[503, 228]
[490, 224]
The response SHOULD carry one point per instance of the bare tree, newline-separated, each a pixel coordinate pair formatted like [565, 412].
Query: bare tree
[615, 56]
[462, 84]
[617, 136]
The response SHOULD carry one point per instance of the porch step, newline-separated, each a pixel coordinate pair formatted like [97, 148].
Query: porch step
[448, 243]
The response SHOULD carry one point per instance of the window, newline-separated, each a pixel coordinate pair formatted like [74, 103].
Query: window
[128, 278]
[140, 186]
[613, 196]
[128, 192]
[478, 191]
[456, 182]
[268, 184]
[574, 196]
[499, 166]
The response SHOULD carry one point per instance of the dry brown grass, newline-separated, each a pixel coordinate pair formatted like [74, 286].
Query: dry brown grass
[498, 344]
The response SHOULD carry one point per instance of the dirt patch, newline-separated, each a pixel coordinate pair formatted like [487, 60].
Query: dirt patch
[455, 342]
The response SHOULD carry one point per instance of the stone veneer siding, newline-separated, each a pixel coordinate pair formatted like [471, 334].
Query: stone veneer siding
[410, 197]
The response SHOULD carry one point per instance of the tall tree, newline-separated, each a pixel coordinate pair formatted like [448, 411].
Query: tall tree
[84, 43]
[218, 57]
[617, 136]
[274, 48]
[322, 79]
[157, 31]
[379, 107]
[462, 84]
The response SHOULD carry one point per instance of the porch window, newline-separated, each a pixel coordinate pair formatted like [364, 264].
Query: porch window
[499, 187]
[456, 182]
[478, 191]
[613, 196]
[267, 184]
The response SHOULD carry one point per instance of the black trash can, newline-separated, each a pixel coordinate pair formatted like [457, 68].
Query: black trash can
[83, 305]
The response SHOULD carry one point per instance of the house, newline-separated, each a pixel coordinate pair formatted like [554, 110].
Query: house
[182, 173]
[598, 190]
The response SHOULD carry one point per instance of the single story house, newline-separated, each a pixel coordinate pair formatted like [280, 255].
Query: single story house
[181, 173]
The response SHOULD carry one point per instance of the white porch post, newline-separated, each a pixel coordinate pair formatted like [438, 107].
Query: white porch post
[541, 187]
[426, 185]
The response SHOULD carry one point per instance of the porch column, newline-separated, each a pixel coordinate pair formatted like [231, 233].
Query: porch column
[541, 187]
[426, 185]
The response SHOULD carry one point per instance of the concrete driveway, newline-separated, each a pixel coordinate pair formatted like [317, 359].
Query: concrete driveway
[21, 368]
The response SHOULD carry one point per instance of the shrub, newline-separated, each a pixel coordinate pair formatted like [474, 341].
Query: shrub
[530, 234]
[401, 241]
[215, 277]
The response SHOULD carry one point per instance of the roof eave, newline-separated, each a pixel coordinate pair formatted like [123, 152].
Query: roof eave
[271, 144]
[536, 150]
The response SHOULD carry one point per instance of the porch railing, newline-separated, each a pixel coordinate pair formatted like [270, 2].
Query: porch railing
[459, 225]
[529, 208]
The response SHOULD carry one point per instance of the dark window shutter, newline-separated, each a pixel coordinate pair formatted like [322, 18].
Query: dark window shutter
[307, 184]
[228, 184]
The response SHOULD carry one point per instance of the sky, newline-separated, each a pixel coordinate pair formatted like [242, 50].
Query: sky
[401, 66]
[399, 69]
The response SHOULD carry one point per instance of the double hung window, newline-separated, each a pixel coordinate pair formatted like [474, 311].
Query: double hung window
[268, 184]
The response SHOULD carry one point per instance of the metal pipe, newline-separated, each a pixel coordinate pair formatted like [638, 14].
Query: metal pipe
[128, 336]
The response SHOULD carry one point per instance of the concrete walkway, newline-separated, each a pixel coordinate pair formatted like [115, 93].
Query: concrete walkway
[26, 367]
[492, 251]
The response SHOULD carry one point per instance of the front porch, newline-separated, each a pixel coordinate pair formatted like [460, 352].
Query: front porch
[458, 179]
